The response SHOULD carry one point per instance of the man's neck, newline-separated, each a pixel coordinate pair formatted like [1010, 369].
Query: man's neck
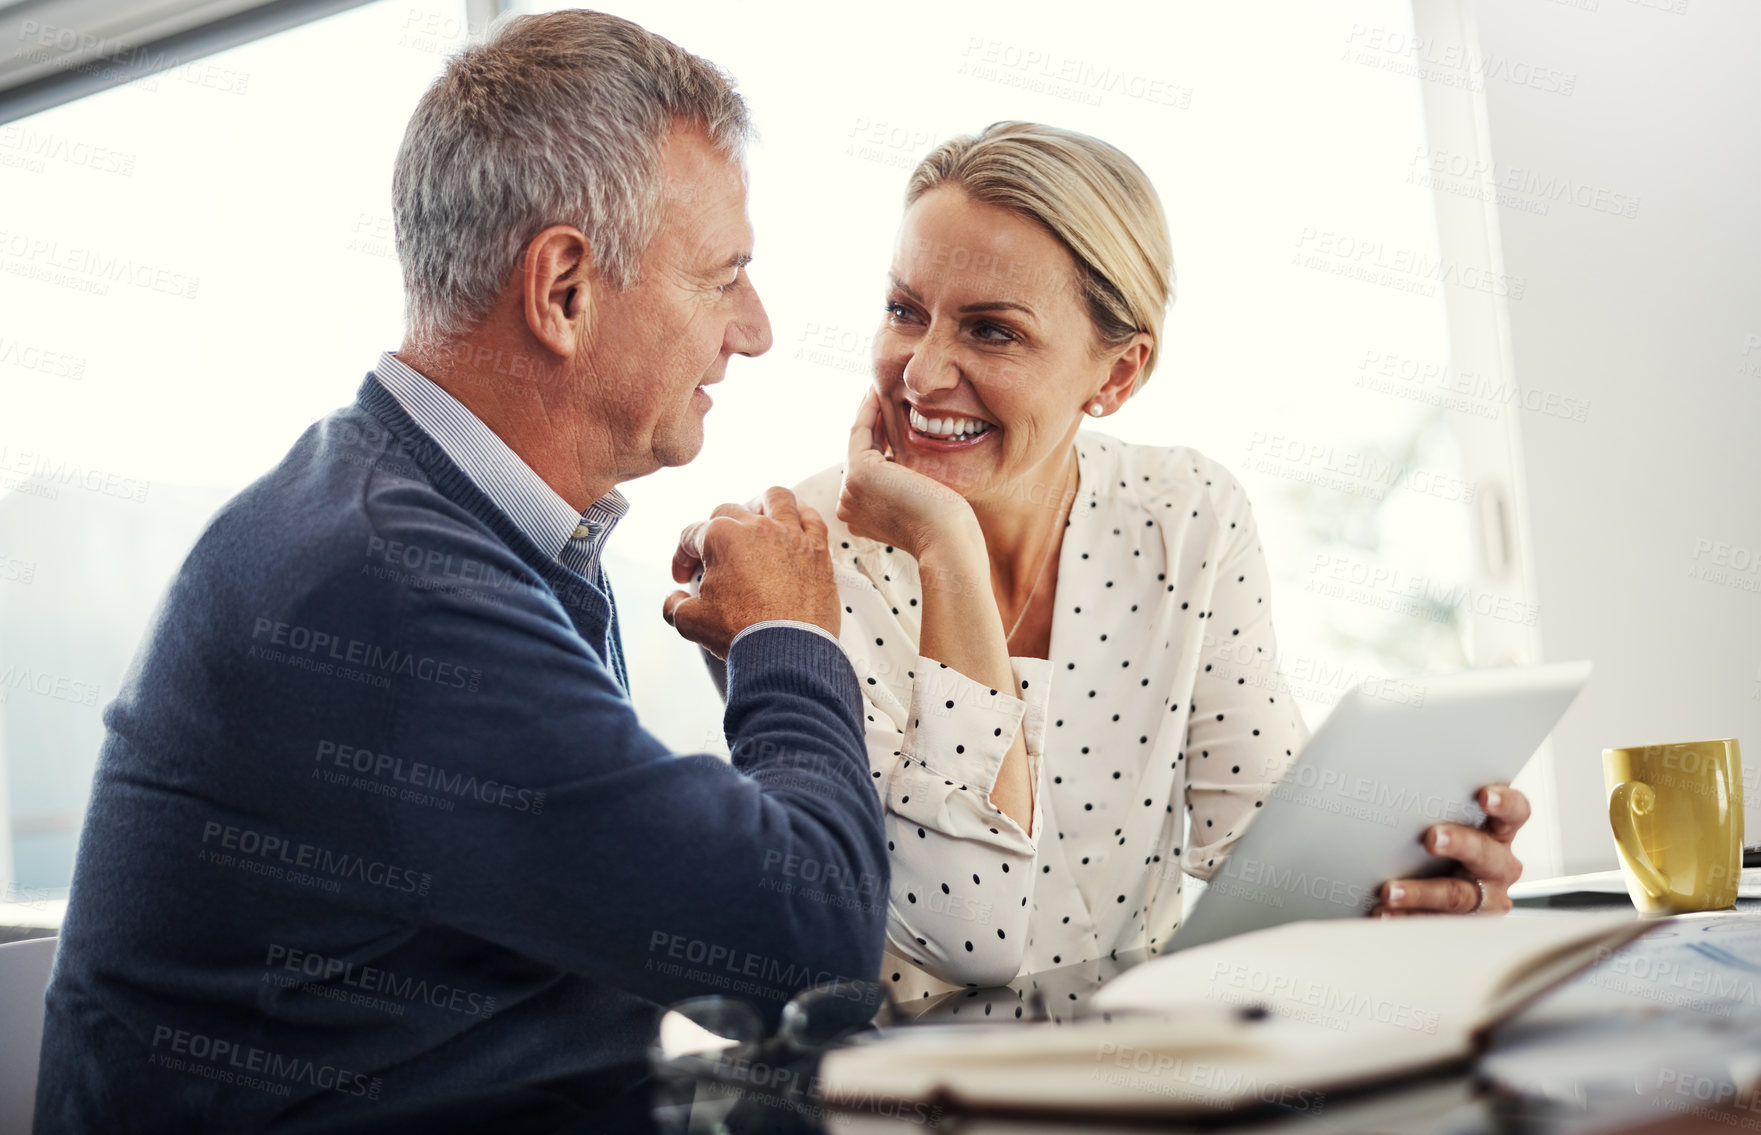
[530, 403]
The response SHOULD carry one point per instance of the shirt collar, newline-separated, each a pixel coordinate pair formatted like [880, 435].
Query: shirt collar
[575, 539]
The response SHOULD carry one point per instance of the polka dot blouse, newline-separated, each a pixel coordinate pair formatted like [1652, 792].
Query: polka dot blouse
[1153, 732]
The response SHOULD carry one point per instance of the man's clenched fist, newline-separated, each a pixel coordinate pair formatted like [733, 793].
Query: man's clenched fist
[761, 561]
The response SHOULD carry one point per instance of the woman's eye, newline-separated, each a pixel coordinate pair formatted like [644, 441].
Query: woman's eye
[1003, 334]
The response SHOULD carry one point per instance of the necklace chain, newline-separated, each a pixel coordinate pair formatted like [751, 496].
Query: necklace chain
[1045, 558]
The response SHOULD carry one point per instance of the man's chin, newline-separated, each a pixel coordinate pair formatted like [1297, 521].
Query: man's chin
[679, 449]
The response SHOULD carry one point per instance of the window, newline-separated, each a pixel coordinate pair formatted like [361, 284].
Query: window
[191, 273]
[194, 275]
[1304, 348]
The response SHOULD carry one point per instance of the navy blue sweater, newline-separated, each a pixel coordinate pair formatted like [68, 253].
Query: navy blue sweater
[376, 828]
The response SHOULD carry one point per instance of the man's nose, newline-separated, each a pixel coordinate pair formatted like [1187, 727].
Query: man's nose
[749, 333]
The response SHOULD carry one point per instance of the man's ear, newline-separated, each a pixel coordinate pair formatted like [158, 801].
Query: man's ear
[1122, 376]
[556, 288]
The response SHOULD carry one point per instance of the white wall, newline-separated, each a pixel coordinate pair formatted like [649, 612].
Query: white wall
[1642, 517]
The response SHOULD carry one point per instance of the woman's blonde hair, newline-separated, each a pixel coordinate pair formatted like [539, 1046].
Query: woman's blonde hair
[1090, 196]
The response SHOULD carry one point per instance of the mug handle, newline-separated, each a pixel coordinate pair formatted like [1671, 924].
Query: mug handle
[1629, 799]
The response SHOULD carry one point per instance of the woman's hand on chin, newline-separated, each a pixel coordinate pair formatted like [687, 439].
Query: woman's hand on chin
[1486, 863]
[883, 500]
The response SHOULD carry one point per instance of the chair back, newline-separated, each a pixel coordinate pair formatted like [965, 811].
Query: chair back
[24, 976]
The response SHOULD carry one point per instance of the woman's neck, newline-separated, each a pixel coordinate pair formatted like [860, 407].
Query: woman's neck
[1023, 523]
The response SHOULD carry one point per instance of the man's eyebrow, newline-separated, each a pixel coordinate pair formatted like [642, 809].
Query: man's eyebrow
[736, 261]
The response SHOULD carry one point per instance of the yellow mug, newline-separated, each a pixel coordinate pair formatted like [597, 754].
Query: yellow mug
[1677, 814]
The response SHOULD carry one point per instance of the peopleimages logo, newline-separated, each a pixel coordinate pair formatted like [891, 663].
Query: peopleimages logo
[28, 356]
[276, 851]
[1321, 1003]
[1049, 71]
[418, 774]
[61, 472]
[83, 52]
[442, 564]
[1451, 64]
[232, 1060]
[40, 258]
[44, 684]
[1267, 877]
[36, 145]
[1363, 473]
[1438, 384]
[726, 966]
[1312, 785]
[1164, 1073]
[305, 969]
[353, 652]
[1405, 269]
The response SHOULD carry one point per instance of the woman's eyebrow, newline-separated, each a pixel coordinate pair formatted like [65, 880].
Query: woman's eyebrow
[999, 305]
[968, 309]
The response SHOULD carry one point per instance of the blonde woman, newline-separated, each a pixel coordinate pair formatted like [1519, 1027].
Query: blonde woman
[1065, 642]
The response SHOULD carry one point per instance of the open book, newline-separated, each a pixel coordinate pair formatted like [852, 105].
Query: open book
[1278, 1018]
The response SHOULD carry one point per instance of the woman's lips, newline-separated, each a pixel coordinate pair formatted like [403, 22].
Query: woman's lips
[942, 443]
[923, 441]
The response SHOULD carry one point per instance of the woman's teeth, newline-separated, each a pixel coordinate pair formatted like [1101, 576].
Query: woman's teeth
[947, 429]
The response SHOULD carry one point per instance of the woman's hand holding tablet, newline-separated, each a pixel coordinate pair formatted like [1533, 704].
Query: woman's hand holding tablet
[1488, 868]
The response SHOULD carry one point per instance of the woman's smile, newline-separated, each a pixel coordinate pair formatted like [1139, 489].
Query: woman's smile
[946, 431]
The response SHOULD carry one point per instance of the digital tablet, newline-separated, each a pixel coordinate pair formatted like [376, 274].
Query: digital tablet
[1392, 759]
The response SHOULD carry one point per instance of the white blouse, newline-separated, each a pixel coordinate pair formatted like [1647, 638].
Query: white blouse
[1156, 728]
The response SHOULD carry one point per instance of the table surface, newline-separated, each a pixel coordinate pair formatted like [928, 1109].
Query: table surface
[1604, 1052]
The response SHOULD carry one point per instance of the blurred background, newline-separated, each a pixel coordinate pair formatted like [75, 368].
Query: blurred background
[1468, 294]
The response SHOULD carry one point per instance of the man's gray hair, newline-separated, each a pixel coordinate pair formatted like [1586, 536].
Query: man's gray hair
[553, 119]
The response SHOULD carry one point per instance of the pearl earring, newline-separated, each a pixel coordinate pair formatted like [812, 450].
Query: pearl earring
[1095, 408]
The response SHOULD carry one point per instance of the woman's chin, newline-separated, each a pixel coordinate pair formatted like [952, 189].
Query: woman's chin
[952, 470]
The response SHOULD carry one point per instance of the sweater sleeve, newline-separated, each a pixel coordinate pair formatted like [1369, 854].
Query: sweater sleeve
[594, 849]
[962, 870]
[1244, 727]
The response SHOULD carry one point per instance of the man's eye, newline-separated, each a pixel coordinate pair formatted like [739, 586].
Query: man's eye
[898, 311]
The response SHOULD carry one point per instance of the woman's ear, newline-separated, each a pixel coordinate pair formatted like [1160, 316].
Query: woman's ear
[556, 288]
[1122, 375]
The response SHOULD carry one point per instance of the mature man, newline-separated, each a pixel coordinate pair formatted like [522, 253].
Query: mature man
[375, 832]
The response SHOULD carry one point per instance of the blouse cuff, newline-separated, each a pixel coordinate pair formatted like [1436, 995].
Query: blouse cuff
[957, 736]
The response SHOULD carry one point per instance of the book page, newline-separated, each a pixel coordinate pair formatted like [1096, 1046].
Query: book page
[1422, 976]
[1347, 1002]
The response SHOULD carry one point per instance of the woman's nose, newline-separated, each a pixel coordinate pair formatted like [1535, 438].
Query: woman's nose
[930, 368]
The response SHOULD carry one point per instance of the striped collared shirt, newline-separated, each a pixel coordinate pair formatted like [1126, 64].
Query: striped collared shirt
[574, 539]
